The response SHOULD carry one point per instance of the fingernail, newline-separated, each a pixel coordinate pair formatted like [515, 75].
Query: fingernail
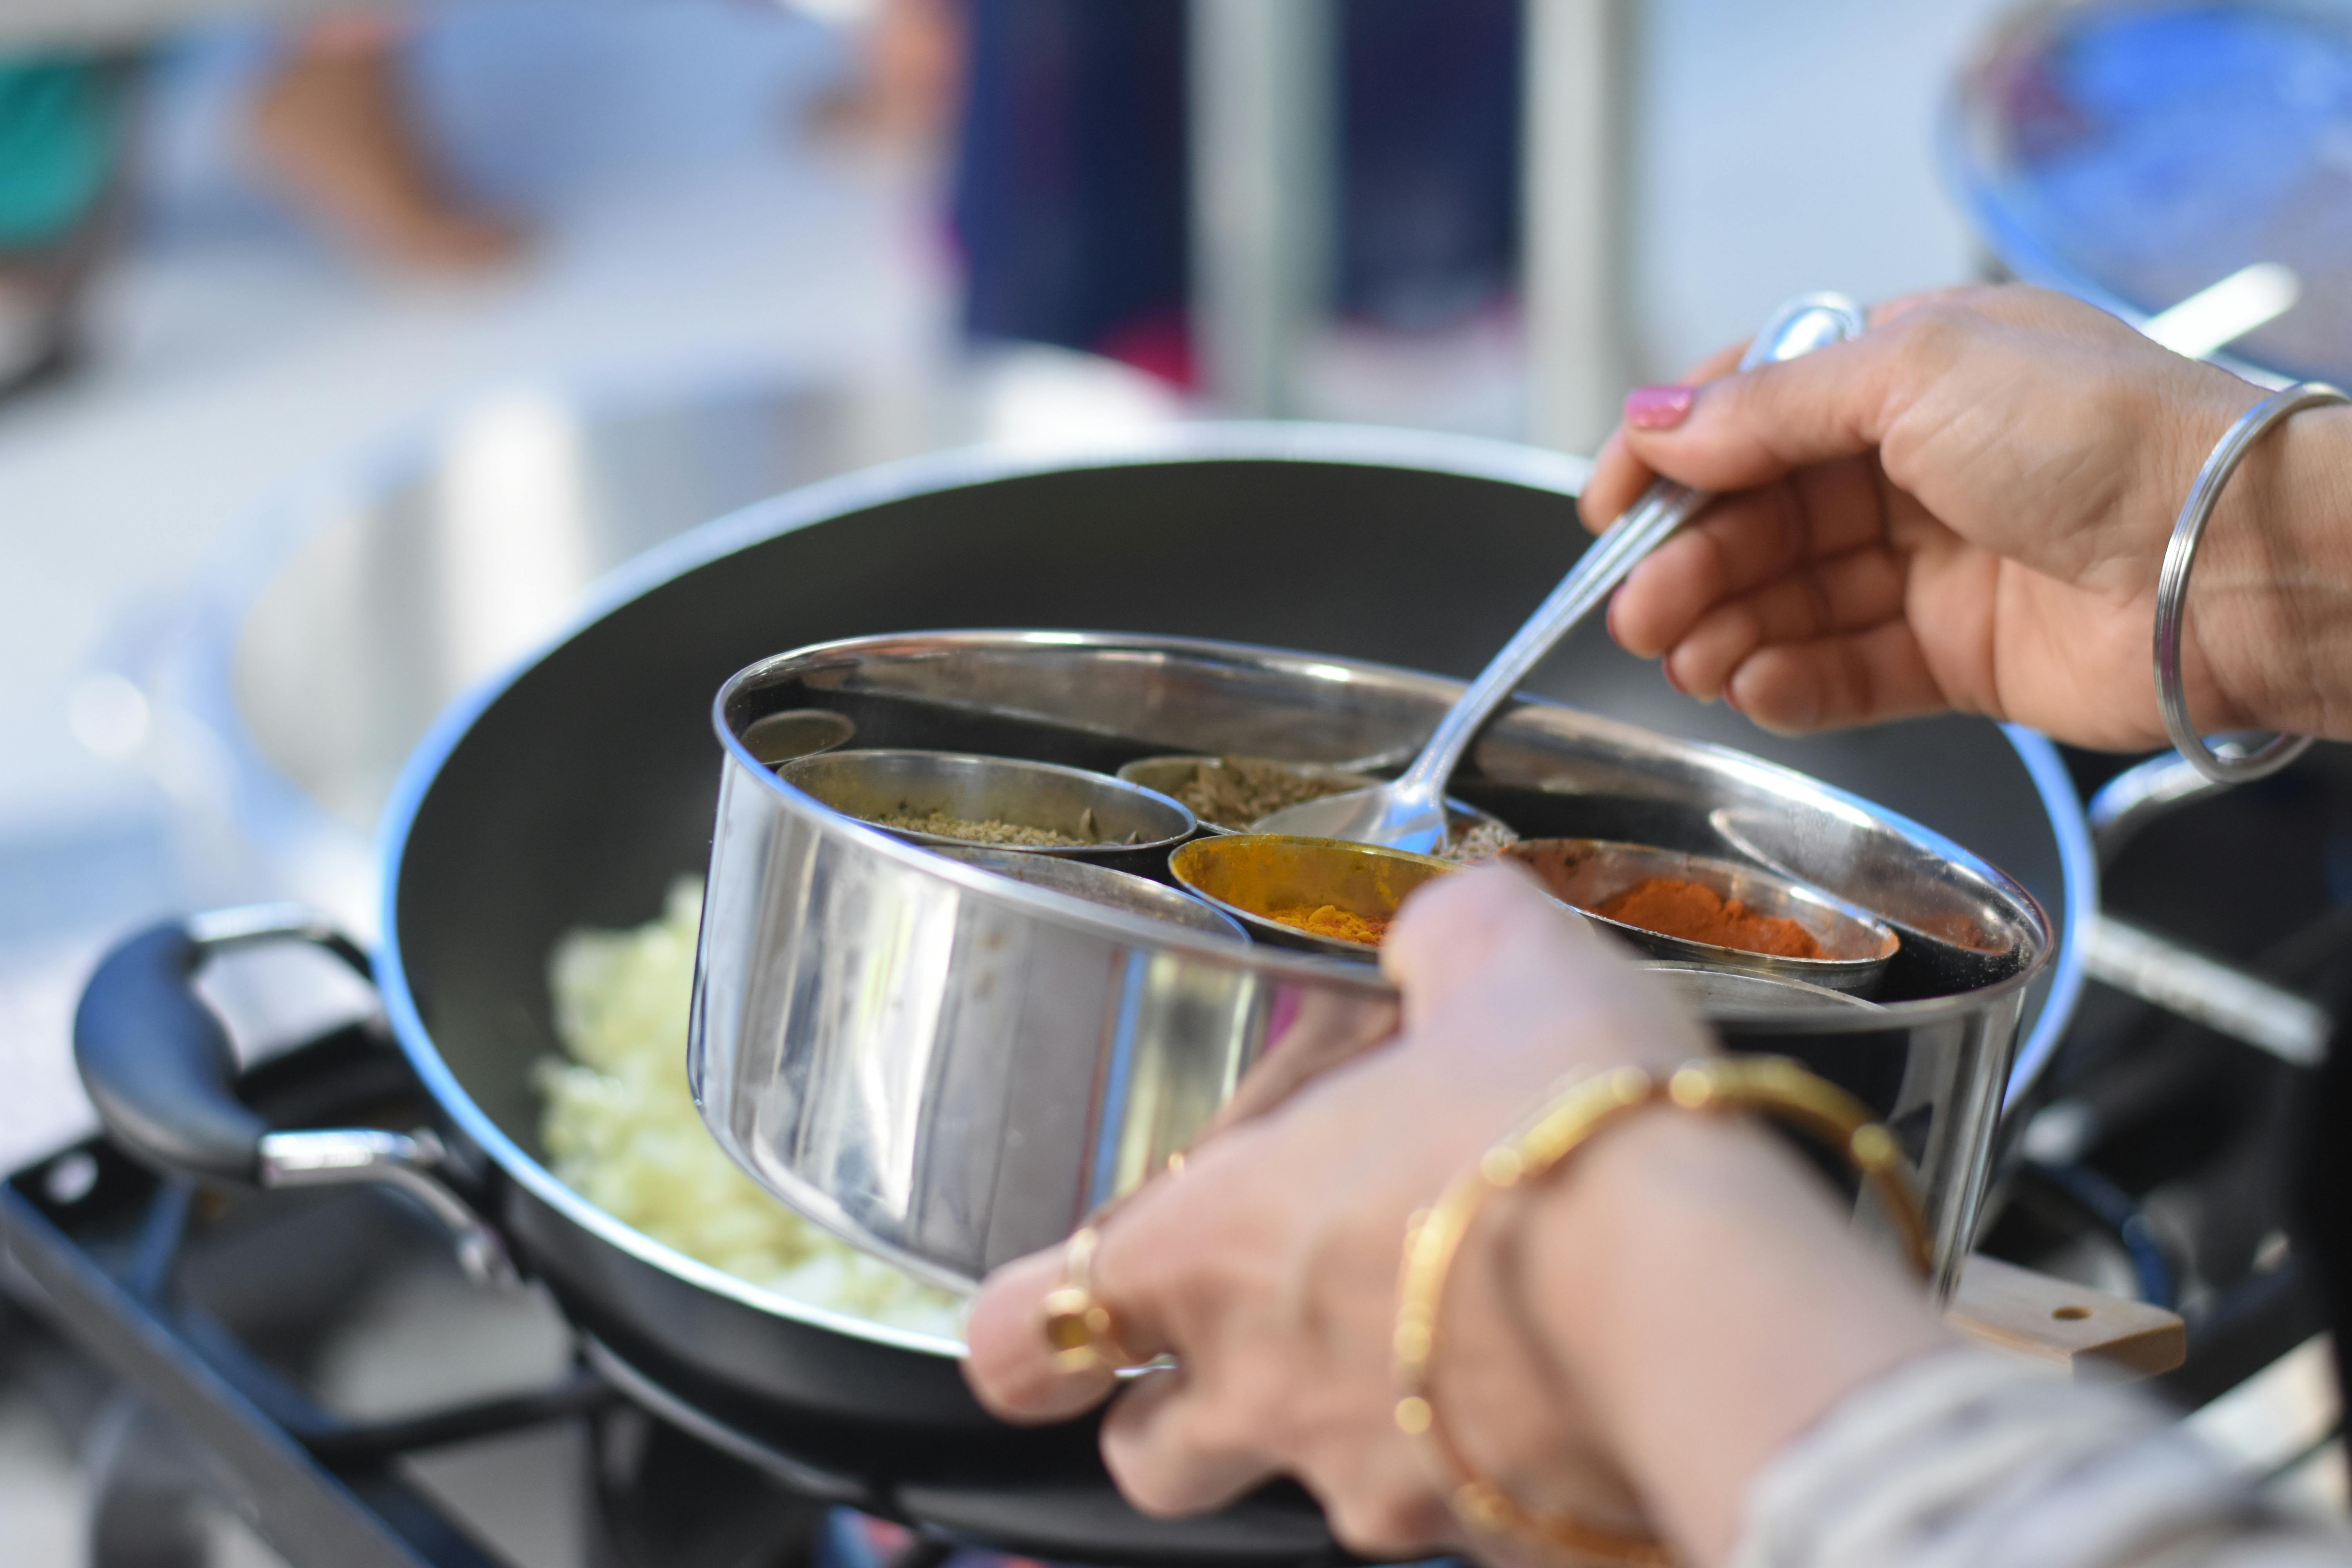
[1731, 699]
[1658, 407]
[1666, 668]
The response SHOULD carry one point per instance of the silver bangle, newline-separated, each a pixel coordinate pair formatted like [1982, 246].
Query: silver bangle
[2239, 763]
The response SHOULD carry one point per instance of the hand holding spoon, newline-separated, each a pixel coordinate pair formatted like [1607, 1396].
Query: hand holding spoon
[1410, 813]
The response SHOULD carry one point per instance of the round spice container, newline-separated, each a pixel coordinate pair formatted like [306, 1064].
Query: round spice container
[1317, 893]
[1101, 885]
[1230, 794]
[1721, 994]
[1697, 909]
[945, 798]
[779, 738]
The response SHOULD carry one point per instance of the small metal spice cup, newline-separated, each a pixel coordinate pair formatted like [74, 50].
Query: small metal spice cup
[1586, 873]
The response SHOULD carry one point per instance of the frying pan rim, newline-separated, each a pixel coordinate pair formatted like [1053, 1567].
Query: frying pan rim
[1363, 445]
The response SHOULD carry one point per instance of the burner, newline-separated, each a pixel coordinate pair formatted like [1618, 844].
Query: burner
[314, 1361]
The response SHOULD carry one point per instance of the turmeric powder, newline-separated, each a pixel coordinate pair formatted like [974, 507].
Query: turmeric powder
[1330, 921]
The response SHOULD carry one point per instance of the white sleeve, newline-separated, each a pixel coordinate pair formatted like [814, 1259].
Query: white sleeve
[1967, 1460]
[27, 25]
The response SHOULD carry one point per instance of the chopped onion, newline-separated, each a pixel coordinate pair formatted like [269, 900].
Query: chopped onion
[622, 1130]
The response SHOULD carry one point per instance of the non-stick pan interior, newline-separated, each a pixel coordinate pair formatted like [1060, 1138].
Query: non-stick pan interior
[587, 786]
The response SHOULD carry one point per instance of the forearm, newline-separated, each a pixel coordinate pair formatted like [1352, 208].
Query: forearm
[1780, 1398]
[1698, 1288]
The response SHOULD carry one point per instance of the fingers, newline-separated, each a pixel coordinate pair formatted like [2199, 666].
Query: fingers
[1172, 1265]
[1161, 1445]
[1325, 1032]
[1851, 593]
[1384, 1508]
[1173, 1452]
[1269, 1263]
[1750, 428]
[1505, 988]
[1741, 542]
[1746, 427]
[1831, 682]
[1618, 476]
[1618, 479]
[1008, 1362]
[1454, 928]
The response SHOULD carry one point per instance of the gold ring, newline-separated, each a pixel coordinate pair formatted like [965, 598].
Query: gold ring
[1079, 1330]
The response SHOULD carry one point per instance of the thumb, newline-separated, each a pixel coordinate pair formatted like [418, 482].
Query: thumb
[1755, 425]
[1456, 929]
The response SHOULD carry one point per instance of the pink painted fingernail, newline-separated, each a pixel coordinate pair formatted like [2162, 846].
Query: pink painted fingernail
[1659, 407]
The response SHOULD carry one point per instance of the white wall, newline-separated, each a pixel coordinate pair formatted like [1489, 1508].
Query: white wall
[1784, 145]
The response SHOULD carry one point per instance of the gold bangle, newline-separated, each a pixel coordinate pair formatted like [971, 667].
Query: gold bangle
[1771, 1084]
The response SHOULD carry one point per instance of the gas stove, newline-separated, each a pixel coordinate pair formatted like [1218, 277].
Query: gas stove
[314, 1363]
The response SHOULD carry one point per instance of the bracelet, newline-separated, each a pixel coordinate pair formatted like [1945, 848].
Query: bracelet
[2239, 763]
[1537, 1148]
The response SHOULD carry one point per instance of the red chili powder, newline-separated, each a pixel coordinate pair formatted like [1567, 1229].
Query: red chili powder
[1694, 912]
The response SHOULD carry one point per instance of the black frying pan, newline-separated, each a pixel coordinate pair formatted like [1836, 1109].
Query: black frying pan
[574, 795]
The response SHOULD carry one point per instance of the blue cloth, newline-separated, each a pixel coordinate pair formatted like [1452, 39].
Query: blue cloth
[1071, 171]
[1071, 183]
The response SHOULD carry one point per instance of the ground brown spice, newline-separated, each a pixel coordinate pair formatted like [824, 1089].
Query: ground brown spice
[1694, 912]
[939, 825]
[1329, 920]
[1234, 792]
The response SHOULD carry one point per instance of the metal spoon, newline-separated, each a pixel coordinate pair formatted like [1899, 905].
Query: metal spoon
[1410, 814]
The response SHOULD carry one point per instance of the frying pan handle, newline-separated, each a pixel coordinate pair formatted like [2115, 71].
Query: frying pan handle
[157, 1063]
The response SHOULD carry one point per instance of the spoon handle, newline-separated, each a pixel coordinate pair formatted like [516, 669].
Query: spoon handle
[1799, 327]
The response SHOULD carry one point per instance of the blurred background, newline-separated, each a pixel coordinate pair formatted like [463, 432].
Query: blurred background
[285, 250]
[342, 349]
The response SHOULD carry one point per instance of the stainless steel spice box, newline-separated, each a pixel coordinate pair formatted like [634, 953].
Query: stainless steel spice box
[952, 1067]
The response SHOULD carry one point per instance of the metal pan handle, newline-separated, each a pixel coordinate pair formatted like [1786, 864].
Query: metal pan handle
[157, 1064]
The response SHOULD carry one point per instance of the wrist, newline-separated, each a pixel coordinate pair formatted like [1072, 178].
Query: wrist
[2270, 605]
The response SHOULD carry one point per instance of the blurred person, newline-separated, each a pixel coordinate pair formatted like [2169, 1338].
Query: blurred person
[334, 131]
[1069, 201]
[1966, 509]
[905, 76]
[1072, 203]
[63, 125]
[331, 127]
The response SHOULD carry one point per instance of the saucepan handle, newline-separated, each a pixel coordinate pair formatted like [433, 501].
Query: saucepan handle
[158, 1065]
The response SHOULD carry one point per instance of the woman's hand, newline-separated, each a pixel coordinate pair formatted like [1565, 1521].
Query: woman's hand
[1269, 1265]
[1966, 507]
[1632, 1340]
